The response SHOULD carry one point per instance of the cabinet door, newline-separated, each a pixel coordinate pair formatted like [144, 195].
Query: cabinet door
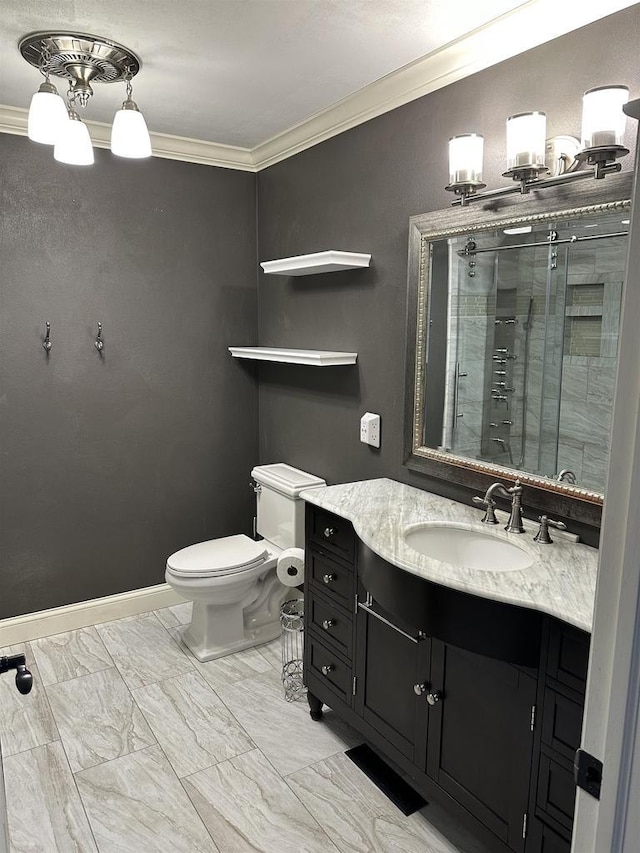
[480, 739]
[391, 661]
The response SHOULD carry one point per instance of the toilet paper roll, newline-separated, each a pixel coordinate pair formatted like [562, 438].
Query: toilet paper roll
[290, 567]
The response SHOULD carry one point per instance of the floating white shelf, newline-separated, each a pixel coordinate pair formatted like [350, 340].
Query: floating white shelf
[329, 261]
[313, 357]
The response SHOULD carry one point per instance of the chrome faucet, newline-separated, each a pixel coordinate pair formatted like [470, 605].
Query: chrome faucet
[566, 476]
[514, 524]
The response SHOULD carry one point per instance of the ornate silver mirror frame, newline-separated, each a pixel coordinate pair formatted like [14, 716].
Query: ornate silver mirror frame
[592, 197]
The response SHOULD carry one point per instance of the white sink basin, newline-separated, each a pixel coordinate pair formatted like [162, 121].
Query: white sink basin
[470, 549]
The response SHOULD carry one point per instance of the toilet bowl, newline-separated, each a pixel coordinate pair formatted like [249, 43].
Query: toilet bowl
[232, 581]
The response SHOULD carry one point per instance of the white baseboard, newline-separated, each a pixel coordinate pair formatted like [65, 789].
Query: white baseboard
[44, 623]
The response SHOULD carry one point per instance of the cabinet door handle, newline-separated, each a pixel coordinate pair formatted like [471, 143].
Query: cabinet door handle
[328, 623]
[373, 613]
[329, 578]
[329, 532]
[434, 698]
[419, 689]
[327, 668]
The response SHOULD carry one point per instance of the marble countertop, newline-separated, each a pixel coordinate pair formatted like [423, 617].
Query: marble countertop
[561, 581]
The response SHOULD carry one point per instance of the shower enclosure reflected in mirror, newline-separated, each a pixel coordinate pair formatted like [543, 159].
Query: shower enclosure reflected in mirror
[515, 333]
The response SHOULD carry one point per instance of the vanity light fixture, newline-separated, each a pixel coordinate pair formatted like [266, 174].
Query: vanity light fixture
[530, 156]
[82, 60]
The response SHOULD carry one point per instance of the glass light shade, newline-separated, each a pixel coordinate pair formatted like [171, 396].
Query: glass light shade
[129, 134]
[465, 158]
[47, 115]
[526, 134]
[603, 121]
[74, 144]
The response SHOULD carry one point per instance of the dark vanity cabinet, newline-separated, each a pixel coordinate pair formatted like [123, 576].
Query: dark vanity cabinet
[563, 678]
[392, 665]
[491, 735]
[480, 738]
[329, 608]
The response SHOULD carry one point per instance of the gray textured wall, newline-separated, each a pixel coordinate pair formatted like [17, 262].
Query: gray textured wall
[108, 465]
[356, 192]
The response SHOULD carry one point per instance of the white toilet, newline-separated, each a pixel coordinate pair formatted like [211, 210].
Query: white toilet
[232, 581]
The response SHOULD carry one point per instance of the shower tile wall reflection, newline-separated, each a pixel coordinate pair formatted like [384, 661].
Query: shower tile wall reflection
[532, 336]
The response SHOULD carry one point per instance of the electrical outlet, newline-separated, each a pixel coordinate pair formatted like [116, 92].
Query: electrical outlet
[370, 429]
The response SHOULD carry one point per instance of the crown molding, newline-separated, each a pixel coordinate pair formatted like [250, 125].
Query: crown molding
[509, 35]
[14, 120]
[512, 33]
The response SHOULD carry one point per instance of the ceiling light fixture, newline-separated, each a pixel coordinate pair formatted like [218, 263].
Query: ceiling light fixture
[82, 60]
[530, 155]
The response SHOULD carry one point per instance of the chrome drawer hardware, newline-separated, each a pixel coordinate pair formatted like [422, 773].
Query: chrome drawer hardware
[419, 689]
[328, 623]
[326, 668]
[434, 698]
[329, 532]
[329, 578]
[386, 622]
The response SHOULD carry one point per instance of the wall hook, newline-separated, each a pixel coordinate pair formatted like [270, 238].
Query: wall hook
[47, 338]
[99, 343]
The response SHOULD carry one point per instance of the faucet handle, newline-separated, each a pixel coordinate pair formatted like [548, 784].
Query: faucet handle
[490, 514]
[542, 536]
[516, 489]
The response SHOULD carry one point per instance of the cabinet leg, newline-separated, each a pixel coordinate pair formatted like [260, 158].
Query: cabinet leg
[315, 706]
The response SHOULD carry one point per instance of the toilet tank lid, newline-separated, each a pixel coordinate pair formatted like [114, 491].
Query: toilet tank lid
[285, 479]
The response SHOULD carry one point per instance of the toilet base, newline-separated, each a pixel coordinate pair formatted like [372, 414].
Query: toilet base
[217, 630]
[204, 652]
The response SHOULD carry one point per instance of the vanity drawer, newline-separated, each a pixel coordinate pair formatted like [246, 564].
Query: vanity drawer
[331, 622]
[556, 795]
[329, 667]
[333, 578]
[332, 532]
[568, 657]
[561, 723]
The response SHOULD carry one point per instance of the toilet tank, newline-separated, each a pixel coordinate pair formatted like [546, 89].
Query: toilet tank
[280, 510]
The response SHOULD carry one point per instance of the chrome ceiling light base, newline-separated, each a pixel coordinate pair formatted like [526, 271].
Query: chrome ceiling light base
[80, 58]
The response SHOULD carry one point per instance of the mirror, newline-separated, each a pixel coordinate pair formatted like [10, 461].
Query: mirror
[513, 324]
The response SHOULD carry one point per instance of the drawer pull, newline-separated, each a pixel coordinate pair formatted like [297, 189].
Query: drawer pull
[329, 578]
[328, 623]
[326, 668]
[434, 698]
[419, 689]
[329, 532]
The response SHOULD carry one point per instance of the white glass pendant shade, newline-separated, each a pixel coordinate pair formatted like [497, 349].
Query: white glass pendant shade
[603, 122]
[129, 134]
[465, 158]
[74, 143]
[47, 115]
[526, 134]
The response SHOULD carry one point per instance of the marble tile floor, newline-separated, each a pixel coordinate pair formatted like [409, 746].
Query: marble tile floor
[127, 743]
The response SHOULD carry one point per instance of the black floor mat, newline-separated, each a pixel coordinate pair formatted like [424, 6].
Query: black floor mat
[387, 780]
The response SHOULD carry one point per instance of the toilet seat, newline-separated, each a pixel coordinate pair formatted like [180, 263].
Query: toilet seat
[218, 557]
